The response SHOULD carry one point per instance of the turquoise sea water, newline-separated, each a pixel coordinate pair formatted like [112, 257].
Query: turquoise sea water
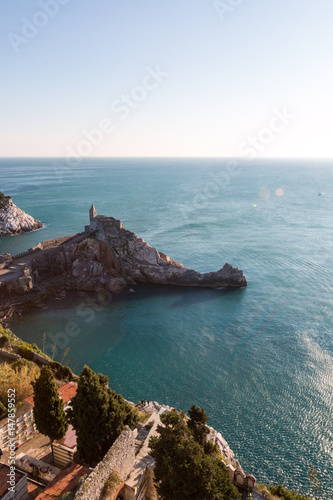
[259, 359]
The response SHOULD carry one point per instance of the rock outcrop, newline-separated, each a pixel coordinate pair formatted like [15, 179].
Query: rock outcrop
[13, 220]
[106, 260]
[139, 261]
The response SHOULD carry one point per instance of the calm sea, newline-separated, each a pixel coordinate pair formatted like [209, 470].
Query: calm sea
[260, 359]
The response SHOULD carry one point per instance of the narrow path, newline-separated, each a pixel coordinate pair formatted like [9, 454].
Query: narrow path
[143, 459]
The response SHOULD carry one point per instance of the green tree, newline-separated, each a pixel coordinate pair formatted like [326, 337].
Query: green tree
[98, 415]
[285, 494]
[50, 417]
[182, 468]
[197, 424]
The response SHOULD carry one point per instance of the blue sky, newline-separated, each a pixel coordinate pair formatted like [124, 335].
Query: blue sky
[226, 71]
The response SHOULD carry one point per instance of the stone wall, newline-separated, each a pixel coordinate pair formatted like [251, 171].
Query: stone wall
[5, 260]
[38, 358]
[119, 460]
[8, 356]
[56, 241]
[30, 251]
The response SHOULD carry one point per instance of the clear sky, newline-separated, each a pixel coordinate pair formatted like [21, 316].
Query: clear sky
[166, 78]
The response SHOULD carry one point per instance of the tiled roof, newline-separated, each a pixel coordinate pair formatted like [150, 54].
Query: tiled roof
[65, 481]
[66, 393]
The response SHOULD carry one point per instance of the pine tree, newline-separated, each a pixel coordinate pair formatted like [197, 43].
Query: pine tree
[50, 417]
[98, 415]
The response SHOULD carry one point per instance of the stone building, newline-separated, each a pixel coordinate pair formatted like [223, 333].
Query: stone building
[25, 427]
[102, 224]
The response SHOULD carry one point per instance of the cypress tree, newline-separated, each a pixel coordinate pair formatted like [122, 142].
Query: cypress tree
[50, 417]
[98, 415]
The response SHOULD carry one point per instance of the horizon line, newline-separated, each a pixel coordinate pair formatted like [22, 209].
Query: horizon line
[249, 160]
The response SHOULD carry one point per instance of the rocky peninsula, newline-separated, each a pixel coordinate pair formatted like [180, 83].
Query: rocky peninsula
[13, 220]
[105, 257]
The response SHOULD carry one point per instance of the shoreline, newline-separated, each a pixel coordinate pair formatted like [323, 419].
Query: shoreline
[24, 232]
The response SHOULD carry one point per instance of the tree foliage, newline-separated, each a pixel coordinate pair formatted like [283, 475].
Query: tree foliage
[197, 424]
[18, 376]
[182, 467]
[285, 494]
[50, 417]
[98, 415]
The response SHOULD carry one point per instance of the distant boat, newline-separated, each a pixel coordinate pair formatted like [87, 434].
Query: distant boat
[319, 194]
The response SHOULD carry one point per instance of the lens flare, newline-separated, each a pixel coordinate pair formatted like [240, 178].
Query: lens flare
[279, 192]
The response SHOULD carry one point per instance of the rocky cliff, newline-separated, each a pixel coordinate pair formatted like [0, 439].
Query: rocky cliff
[120, 259]
[13, 220]
[96, 261]
[141, 262]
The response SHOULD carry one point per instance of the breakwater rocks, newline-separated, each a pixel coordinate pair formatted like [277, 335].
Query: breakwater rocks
[106, 257]
[13, 220]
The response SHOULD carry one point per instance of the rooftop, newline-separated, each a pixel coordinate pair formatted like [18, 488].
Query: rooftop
[66, 393]
[66, 480]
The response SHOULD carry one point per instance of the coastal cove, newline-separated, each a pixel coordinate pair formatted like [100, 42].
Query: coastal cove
[258, 359]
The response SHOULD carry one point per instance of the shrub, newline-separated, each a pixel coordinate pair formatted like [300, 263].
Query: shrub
[111, 485]
[25, 352]
[68, 496]
[67, 372]
[60, 371]
[56, 368]
[5, 336]
[285, 494]
[35, 348]
[6, 333]
[21, 363]
[18, 379]
[3, 340]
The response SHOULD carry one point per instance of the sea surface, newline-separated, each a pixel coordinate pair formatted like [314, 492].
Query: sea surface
[260, 359]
